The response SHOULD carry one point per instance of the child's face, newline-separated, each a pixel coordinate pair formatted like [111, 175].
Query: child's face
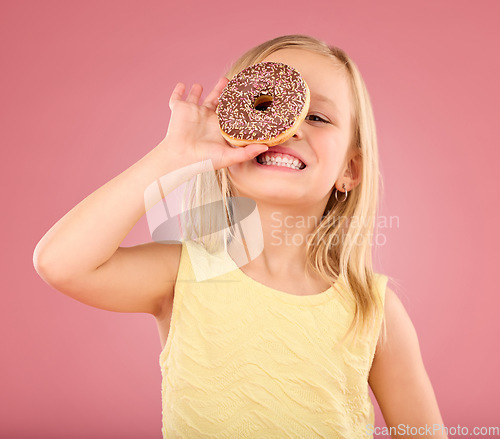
[323, 146]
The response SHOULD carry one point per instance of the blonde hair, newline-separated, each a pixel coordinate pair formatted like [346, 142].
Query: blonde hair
[349, 258]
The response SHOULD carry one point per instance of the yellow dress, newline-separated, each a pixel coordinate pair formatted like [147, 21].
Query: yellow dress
[243, 360]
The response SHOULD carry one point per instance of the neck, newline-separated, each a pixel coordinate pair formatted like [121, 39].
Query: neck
[285, 231]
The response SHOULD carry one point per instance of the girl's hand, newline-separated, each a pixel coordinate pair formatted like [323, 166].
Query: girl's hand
[193, 133]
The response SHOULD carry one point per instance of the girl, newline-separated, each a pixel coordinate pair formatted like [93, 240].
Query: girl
[285, 344]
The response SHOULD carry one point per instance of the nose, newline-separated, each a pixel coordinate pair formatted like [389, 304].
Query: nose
[298, 134]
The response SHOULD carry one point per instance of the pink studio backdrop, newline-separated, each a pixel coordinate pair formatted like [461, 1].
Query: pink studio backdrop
[85, 89]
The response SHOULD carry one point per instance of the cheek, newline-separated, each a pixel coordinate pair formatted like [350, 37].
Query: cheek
[333, 148]
[330, 176]
[331, 162]
[331, 156]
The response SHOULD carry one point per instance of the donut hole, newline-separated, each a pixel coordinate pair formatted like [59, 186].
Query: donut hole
[263, 102]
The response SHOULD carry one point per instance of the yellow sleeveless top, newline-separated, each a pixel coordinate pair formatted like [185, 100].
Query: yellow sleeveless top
[243, 360]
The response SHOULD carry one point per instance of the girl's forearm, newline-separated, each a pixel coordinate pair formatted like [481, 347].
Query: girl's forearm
[89, 234]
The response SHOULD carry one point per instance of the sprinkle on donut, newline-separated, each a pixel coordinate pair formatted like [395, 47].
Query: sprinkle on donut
[263, 103]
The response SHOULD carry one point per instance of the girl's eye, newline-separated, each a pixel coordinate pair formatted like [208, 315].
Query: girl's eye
[316, 118]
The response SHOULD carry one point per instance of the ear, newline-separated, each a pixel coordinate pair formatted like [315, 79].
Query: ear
[351, 175]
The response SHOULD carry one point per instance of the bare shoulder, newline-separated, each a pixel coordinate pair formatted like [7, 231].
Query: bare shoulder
[137, 279]
[401, 336]
[398, 376]
[397, 320]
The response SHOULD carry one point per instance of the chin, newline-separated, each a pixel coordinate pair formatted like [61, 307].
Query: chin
[266, 186]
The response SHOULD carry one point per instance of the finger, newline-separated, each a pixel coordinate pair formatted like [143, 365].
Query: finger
[212, 99]
[253, 150]
[194, 94]
[177, 93]
[243, 154]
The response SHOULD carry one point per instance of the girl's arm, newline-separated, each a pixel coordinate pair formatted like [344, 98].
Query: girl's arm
[399, 380]
[81, 254]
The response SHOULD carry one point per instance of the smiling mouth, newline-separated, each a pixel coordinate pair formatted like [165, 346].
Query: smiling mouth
[280, 159]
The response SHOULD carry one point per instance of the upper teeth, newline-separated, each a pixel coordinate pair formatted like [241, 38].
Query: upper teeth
[281, 160]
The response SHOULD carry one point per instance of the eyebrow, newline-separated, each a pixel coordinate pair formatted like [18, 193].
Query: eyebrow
[336, 113]
[326, 100]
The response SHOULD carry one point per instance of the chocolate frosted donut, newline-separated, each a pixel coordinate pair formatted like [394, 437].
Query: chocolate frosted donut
[264, 103]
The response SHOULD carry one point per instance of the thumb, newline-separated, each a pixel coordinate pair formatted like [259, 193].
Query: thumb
[251, 151]
[239, 154]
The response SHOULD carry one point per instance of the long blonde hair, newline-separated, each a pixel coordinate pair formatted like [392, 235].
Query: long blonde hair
[339, 246]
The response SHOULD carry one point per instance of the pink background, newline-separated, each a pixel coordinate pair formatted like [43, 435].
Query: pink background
[84, 92]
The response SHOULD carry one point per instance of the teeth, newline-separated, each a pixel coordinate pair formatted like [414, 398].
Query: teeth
[281, 161]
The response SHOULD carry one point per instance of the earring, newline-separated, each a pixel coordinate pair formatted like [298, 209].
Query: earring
[345, 194]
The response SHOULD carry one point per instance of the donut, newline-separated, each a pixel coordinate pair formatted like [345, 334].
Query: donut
[264, 103]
